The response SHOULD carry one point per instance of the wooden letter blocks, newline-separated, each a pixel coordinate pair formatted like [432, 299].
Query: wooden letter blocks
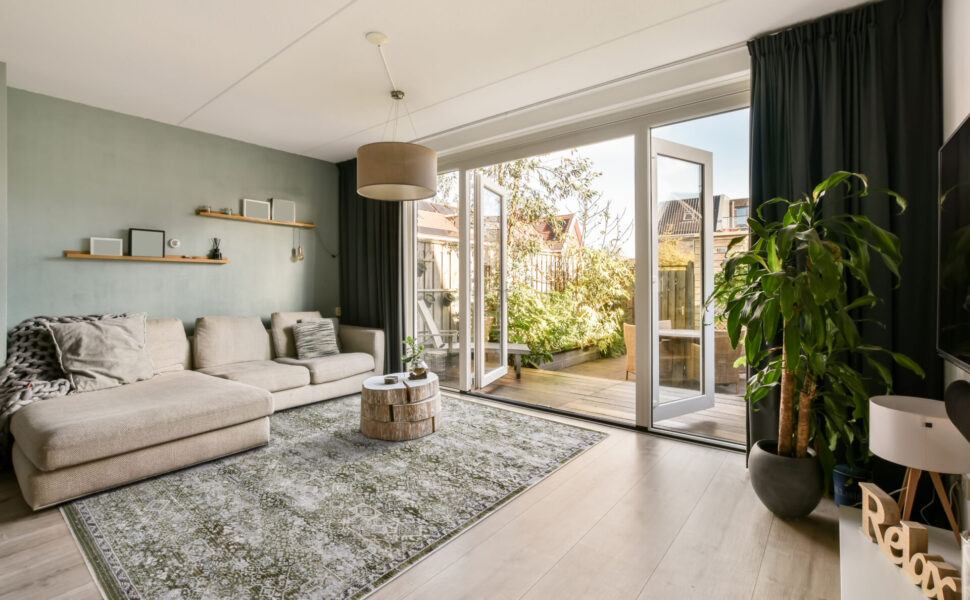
[906, 544]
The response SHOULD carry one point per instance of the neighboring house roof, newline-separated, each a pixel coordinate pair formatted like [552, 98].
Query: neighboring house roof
[440, 221]
[554, 234]
[437, 220]
[680, 216]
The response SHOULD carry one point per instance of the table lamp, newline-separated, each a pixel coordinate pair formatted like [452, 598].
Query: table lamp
[916, 433]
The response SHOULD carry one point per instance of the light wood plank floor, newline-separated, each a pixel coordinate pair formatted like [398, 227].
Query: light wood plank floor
[636, 516]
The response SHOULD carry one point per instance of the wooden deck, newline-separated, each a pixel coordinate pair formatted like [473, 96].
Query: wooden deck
[597, 388]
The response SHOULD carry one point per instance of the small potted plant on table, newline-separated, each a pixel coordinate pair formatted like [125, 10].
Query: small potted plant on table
[413, 359]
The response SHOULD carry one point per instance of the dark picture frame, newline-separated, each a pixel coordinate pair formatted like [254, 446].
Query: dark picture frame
[146, 242]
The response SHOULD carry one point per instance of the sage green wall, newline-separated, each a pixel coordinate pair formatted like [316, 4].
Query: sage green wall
[3, 211]
[77, 171]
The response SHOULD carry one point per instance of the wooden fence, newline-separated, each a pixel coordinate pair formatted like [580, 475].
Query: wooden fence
[437, 285]
[675, 293]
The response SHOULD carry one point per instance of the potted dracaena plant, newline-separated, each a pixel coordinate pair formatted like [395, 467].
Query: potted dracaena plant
[793, 286]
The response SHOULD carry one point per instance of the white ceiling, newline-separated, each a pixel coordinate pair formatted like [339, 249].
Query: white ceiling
[299, 76]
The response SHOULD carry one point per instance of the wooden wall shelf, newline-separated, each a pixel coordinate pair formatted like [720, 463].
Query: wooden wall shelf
[167, 259]
[218, 215]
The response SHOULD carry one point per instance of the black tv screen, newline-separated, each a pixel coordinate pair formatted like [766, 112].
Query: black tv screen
[953, 331]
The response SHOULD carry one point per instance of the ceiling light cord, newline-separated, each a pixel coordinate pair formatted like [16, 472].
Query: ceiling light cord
[387, 68]
[398, 97]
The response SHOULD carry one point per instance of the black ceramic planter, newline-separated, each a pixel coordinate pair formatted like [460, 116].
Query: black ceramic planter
[789, 487]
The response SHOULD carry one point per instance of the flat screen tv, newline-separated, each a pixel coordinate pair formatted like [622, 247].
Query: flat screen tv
[953, 324]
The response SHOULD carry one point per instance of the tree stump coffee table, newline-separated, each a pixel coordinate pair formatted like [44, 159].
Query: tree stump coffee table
[400, 411]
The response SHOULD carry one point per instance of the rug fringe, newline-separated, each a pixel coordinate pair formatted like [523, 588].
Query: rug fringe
[80, 549]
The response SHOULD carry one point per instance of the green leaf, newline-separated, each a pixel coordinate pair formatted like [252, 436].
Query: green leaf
[787, 297]
[774, 264]
[734, 325]
[770, 321]
[908, 363]
[834, 180]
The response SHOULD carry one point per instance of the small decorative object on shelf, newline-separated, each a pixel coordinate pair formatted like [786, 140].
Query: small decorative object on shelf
[906, 544]
[105, 246]
[146, 242]
[284, 210]
[216, 252]
[413, 359]
[227, 212]
[256, 209]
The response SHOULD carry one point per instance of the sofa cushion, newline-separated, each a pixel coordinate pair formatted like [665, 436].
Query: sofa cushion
[168, 345]
[331, 368]
[60, 432]
[228, 340]
[102, 354]
[267, 374]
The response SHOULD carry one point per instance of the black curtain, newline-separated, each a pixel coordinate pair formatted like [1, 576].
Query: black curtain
[860, 91]
[371, 282]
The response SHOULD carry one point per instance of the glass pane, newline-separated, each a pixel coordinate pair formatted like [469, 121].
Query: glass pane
[493, 274]
[436, 279]
[724, 138]
[680, 216]
[570, 279]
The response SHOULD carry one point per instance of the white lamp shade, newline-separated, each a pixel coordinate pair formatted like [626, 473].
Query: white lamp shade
[915, 432]
[396, 171]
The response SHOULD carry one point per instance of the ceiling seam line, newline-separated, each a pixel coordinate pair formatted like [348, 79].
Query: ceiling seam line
[529, 70]
[267, 61]
[540, 103]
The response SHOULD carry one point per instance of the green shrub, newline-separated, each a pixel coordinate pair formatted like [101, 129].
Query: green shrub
[590, 311]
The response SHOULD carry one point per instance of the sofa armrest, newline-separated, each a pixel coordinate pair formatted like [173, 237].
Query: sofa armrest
[364, 339]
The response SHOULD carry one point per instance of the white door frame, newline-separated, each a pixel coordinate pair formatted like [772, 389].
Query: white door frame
[705, 398]
[483, 377]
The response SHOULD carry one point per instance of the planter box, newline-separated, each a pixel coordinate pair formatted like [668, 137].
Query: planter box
[561, 360]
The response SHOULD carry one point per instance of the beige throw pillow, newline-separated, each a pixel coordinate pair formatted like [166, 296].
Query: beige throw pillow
[97, 355]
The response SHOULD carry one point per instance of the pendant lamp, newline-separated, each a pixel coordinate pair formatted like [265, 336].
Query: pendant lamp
[395, 171]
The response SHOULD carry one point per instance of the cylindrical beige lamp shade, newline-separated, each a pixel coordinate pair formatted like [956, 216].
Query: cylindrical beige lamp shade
[396, 171]
[915, 432]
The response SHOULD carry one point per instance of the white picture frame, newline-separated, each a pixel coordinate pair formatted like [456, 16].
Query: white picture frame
[99, 246]
[257, 209]
[284, 210]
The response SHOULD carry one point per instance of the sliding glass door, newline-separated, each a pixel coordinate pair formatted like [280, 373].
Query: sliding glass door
[526, 281]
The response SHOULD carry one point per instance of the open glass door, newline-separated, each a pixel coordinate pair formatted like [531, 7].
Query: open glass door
[491, 308]
[483, 326]
[683, 343]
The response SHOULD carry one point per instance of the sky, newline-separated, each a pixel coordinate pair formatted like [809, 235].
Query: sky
[725, 135]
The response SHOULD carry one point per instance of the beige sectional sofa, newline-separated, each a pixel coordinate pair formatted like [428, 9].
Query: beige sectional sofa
[78, 444]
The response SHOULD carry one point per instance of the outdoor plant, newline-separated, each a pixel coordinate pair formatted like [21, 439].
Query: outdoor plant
[793, 285]
[589, 312]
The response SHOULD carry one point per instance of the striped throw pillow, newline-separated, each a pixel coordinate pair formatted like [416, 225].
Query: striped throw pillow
[315, 338]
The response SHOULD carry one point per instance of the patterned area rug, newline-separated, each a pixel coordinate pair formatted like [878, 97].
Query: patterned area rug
[322, 511]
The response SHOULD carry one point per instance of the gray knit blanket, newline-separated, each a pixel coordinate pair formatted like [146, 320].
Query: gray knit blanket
[32, 371]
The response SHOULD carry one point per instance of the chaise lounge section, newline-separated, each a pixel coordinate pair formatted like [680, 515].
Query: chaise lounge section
[83, 443]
